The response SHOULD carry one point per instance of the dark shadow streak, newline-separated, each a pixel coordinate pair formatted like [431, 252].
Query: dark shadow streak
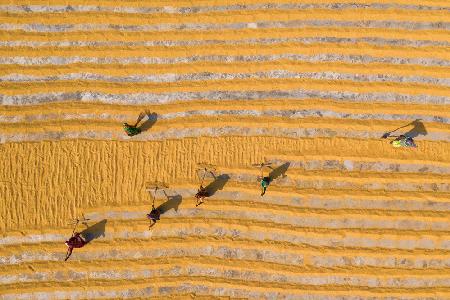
[95, 231]
[152, 118]
[173, 202]
[218, 184]
[279, 171]
[418, 129]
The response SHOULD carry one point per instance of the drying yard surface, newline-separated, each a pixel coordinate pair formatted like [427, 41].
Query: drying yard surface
[312, 85]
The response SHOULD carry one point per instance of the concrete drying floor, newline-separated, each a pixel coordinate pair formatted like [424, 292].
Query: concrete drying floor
[311, 85]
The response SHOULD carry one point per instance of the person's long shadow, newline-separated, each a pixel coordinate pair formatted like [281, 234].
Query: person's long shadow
[418, 129]
[95, 231]
[279, 171]
[152, 118]
[218, 184]
[173, 202]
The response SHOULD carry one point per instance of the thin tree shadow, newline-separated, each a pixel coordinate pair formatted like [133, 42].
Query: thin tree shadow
[418, 129]
[95, 231]
[279, 171]
[152, 118]
[218, 184]
[173, 202]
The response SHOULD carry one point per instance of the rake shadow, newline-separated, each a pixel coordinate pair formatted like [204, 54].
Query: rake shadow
[95, 231]
[279, 171]
[418, 129]
[152, 118]
[218, 184]
[173, 202]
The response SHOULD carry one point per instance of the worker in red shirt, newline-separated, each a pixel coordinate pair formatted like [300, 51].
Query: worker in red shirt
[202, 193]
[76, 241]
[153, 216]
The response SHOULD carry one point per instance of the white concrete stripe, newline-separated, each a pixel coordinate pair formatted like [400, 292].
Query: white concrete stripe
[378, 41]
[324, 57]
[313, 221]
[163, 98]
[277, 74]
[346, 183]
[228, 272]
[185, 288]
[391, 24]
[353, 164]
[179, 133]
[242, 232]
[260, 253]
[218, 8]
[290, 114]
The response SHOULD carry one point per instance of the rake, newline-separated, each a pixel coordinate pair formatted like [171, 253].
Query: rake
[261, 166]
[206, 168]
[388, 134]
[75, 222]
[155, 186]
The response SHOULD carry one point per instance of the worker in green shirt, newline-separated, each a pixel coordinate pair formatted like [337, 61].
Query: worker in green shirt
[265, 180]
[264, 184]
[132, 130]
